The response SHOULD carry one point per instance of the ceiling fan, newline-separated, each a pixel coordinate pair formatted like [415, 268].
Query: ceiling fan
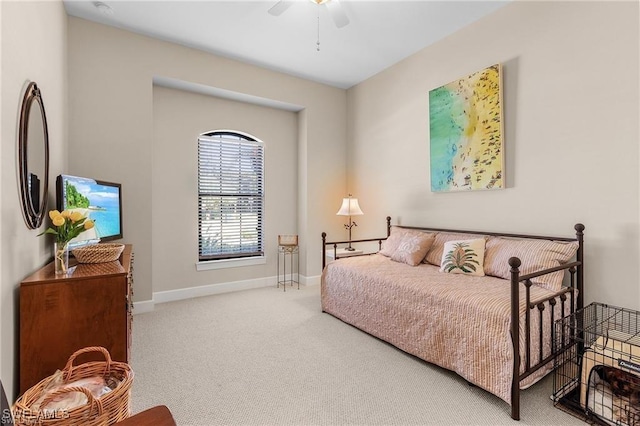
[336, 11]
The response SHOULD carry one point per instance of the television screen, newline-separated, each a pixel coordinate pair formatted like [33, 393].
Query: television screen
[98, 200]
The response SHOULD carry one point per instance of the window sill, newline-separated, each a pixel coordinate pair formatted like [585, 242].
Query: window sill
[230, 263]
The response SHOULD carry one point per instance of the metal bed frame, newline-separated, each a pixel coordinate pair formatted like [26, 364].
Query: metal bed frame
[565, 295]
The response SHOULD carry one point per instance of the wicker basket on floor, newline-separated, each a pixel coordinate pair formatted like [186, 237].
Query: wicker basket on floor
[106, 410]
[98, 253]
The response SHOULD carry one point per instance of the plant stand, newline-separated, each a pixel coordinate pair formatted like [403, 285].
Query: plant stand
[288, 248]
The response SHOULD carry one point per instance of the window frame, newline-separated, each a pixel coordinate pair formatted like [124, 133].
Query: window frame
[208, 143]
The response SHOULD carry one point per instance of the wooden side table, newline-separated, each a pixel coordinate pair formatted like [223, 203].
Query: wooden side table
[342, 253]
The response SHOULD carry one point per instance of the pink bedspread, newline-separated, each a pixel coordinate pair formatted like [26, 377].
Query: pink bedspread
[458, 322]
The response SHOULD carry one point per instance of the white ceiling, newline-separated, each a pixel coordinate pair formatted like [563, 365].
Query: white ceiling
[380, 33]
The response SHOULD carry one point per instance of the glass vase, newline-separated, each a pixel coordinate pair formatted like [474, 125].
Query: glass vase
[61, 258]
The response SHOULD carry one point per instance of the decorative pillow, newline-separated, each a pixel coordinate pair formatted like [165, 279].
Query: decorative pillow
[413, 247]
[391, 244]
[534, 254]
[434, 256]
[464, 257]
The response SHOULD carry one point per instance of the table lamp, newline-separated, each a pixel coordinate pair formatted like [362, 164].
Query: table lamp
[350, 208]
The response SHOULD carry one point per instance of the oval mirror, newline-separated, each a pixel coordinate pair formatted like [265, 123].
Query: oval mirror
[33, 157]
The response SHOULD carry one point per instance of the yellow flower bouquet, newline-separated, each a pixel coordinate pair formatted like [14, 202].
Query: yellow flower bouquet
[66, 226]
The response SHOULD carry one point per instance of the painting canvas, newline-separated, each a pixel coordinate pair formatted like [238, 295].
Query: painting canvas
[465, 122]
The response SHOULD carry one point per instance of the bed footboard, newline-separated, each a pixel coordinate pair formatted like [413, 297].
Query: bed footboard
[576, 271]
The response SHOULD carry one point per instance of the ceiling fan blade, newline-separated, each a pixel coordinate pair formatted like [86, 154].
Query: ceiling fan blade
[279, 8]
[337, 13]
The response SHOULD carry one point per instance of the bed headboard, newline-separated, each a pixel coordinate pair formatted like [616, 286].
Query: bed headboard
[579, 238]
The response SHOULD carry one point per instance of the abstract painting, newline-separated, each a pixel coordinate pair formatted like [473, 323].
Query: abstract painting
[465, 122]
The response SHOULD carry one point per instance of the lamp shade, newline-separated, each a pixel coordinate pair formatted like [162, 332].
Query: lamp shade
[349, 207]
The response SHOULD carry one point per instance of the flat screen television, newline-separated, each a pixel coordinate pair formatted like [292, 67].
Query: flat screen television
[100, 201]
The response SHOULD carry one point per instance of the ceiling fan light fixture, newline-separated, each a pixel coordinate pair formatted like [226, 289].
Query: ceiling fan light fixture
[104, 8]
[334, 7]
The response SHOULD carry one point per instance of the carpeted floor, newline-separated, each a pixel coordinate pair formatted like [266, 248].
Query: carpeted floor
[268, 357]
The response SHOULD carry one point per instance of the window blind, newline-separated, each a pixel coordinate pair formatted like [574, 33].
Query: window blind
[230, 196]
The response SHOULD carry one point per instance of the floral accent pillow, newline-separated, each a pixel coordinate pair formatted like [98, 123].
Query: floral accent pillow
[413, 247]
[464, 257]
[390, 245]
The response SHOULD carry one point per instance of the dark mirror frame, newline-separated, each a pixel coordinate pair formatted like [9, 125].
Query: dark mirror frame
[33, 210]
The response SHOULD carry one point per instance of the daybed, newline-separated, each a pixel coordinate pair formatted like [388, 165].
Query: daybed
[427, 292]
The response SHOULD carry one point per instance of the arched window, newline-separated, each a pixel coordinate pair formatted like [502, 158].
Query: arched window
[230, 195]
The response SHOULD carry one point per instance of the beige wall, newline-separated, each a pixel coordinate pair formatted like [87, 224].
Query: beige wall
[571, 134]
[32, 48]
[571, 131]
[178, 118]
[111, 137]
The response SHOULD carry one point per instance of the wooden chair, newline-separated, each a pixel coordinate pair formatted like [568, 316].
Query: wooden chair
[156, 416]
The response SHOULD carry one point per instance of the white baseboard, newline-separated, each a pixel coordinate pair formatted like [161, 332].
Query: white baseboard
[142, 307]
[314, 280]
[211, 289]
[208, 290]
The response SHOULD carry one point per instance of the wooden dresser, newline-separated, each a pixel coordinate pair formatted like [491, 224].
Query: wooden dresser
[91, 306]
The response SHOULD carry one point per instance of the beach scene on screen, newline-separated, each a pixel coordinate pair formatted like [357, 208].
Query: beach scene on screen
[98, 202]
